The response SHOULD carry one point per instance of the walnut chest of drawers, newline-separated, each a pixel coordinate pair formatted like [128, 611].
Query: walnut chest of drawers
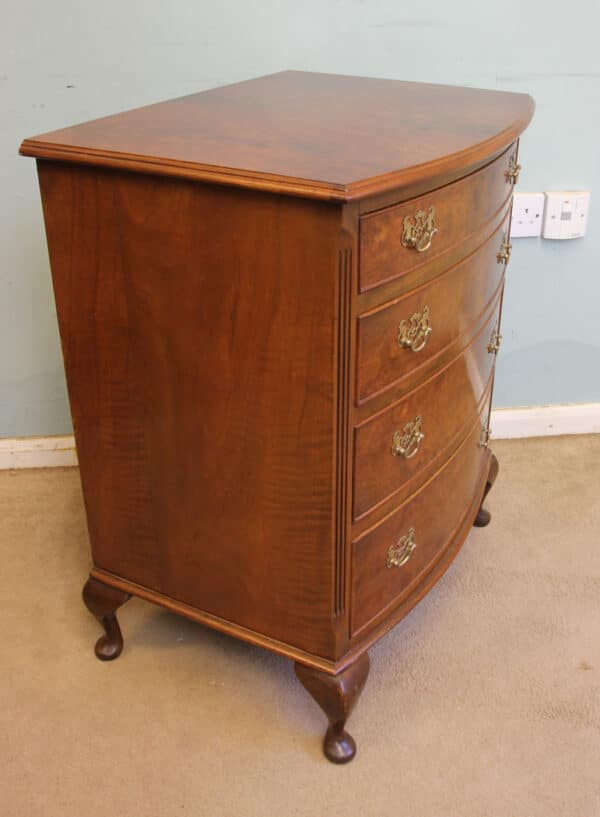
[279, 305]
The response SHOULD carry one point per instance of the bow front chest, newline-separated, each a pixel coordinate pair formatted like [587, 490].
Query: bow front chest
[279, 305]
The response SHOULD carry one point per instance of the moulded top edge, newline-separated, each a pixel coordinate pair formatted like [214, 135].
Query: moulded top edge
[320, 136]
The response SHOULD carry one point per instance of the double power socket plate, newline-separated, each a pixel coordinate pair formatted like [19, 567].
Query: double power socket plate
[558, 215]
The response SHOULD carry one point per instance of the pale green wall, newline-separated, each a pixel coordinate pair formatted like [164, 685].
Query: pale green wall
[67, 61]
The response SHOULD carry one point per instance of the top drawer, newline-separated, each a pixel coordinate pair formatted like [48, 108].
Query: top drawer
[399, 239]
[435, 317]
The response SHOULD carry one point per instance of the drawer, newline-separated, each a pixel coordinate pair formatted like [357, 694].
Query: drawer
[393, 446]
[401, 238]
[389, 560]
[414, 330]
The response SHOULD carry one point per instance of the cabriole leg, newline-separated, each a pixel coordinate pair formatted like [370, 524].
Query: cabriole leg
[336, 695]
[483, 517]
[103, 601]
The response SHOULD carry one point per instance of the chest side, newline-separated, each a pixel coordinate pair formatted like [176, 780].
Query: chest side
[199, 338]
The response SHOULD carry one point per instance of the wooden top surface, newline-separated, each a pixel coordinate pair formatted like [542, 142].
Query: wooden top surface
[316, 135]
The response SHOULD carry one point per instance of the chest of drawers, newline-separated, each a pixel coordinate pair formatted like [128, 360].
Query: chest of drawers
[279, 306]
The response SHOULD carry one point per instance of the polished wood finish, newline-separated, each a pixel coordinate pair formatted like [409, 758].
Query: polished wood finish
[484, 517]
[103, 601]
[448, 404]
[461, 210]
[337, 696]
[181, 443]
[435, 512]
[233, 390]
[456, 299]
[289, 133]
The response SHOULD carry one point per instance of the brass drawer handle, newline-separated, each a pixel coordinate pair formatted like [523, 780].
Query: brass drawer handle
[503, 255]
[400, 553]
[514, 168]
[418, 232]
[414, 333]
[484, 436]
[405, 443]
[493, 346]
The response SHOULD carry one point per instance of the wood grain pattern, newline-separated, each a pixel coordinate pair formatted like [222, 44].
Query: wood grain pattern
[421, 275]
[368, 636]
[456, 299]
[461, 209]
[288, 133]
[233, 389]
[360, 642]
[377, 587]
[447, 403]
[344, 325]
[206, 479]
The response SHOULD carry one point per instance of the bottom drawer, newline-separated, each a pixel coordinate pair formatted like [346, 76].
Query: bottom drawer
[389, 559]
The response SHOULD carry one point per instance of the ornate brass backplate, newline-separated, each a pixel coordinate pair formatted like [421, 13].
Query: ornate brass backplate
[405, 443]
[400, 553]
[413, 333]
[418, 232]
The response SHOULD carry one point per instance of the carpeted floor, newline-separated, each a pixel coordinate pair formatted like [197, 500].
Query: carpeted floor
[484, 702]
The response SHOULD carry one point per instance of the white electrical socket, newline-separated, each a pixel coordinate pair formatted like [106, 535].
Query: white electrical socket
[527, 215]
[566, 214]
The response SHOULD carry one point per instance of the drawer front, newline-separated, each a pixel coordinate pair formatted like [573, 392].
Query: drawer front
[414, 537]
[399, 239]
[410, 332]
[392, 447]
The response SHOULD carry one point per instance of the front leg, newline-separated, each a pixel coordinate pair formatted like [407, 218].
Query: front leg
[103, 601]
[483, 516]
[336, 695]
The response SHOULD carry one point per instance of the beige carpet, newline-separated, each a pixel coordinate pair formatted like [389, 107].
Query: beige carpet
[484, 702]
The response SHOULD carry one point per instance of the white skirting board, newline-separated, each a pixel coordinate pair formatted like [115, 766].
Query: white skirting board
[545, 421]
[37, 452]
[534, 421]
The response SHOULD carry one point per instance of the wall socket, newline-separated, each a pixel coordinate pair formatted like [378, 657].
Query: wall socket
[566, 214]
[527, 215]
[557, 215]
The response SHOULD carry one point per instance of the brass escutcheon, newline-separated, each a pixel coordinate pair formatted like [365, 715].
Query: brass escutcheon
[400, 553]
[493, 346]
[405, 443]
[514, 168]
[503, 255]
[418, 232]
[413, 334]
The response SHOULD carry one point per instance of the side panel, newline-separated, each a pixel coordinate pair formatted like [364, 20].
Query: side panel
[198, 326]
